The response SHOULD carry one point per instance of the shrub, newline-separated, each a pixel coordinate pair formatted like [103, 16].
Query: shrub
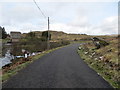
[45, 35]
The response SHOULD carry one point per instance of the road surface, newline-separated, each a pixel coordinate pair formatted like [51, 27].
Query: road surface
[61, 68]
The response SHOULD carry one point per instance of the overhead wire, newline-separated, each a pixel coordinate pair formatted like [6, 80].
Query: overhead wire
[39, 9]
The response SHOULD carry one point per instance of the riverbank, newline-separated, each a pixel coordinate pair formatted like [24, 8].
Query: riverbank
[12, 69]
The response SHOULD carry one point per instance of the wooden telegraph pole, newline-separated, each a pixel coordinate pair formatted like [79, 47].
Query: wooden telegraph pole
[48, 43]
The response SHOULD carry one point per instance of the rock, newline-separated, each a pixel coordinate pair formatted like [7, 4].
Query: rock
[99, 42]
[110, 50]
[79, 48]
[86, 52]
[101, 58]
[96, 58]
[90, 56]
[93, 54]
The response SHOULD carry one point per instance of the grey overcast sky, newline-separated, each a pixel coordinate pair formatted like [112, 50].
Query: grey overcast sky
[93, 18]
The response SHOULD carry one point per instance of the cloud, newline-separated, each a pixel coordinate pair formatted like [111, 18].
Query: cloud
[20, 13]
[0, 14]
[81, 20]
[107, 26]
[69, 17]
[68, 28]
[25, 27]
[21, 17]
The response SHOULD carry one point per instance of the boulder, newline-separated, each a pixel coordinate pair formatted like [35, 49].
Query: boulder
[99, 42]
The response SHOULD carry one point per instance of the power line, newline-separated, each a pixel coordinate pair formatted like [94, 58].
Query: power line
[39, 9]
[48, 44]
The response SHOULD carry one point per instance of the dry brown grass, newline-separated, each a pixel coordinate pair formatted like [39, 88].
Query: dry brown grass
[59, 35]
[105, 59]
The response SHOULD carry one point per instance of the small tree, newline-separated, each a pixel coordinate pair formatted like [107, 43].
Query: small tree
[0, 32]
[3, 33]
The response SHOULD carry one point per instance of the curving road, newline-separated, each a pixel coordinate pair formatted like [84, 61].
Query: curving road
[61, 68]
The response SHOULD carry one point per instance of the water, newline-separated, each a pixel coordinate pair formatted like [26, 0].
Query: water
[6, 60]
[8, 57]
[7, 50]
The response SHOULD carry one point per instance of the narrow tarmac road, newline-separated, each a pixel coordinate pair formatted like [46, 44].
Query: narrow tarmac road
[61, 68]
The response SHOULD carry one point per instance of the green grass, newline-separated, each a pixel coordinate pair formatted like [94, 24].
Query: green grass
[14, 71]
[10, 73]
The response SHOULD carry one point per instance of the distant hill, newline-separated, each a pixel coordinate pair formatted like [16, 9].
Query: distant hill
[59, 35]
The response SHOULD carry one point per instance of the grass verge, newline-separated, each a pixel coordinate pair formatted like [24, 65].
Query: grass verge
[105, 69]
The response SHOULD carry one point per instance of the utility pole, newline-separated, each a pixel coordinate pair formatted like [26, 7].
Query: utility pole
[48, 43]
